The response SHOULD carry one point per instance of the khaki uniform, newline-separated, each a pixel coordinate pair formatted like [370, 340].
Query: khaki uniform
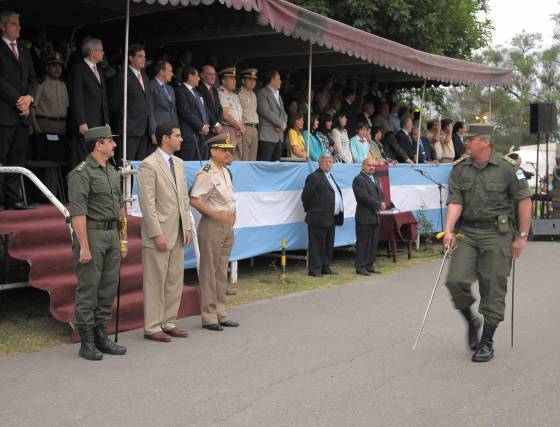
[249, 141]
[230, 102]
[51, 105]
[94, 191]
[213, 186]
[487, 193]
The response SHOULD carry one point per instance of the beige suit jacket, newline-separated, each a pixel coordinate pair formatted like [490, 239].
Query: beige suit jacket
[164, 203]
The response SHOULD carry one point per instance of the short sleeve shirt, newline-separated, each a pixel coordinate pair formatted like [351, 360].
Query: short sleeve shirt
[231, 103]
[486, 190]
[213, 186]
[95, 191]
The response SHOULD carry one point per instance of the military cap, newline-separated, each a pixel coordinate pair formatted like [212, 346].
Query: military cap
[480, 129]
[227, 72]
[98, 133]
[55, 58]
[249, 73]
[220, 141]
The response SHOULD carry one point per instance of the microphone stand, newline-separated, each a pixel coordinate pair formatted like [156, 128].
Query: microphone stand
[441, 187]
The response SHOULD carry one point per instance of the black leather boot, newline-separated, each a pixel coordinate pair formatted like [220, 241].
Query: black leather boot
[485, 350]
[474, 325]
[106, 344]
[87, 347]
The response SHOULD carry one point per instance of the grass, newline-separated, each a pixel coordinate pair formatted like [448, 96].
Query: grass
[27, 326]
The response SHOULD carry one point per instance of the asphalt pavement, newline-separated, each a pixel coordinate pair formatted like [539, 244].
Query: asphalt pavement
[335, 357]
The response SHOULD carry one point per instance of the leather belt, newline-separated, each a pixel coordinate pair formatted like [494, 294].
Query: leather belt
[54, 119]
[102, 225]
[480, 224]
[252, 125]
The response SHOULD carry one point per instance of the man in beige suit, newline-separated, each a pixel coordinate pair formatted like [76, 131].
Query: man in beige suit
[165, 233]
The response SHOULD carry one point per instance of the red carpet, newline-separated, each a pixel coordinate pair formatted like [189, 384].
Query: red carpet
[42, 237]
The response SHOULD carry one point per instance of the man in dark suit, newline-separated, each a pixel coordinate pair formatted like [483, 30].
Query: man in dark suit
[457, 137]
[324, 209]
[404, 139]
[18, 85]
[211, 98]
[163, 95]
[193, 116]
[88, 97]
[140, 140]
[393, 150]
[370, 200]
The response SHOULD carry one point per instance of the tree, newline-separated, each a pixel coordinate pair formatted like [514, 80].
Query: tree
[445, 27]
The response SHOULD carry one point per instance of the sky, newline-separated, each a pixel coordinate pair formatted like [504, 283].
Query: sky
[512, 16]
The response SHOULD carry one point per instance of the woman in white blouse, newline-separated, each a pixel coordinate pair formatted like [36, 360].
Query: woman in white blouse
[341, 140]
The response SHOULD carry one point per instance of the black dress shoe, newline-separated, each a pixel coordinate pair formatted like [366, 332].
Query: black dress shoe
[373, 270]
[213, 327]
[311, 273]
[229, 324]
[20, 206]
[331, 272]
[363, 273]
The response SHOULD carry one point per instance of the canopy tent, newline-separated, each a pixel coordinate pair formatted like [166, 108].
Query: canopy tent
[253, 32]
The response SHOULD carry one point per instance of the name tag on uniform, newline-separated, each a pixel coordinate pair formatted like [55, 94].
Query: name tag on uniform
[52, 137]
[520, 175]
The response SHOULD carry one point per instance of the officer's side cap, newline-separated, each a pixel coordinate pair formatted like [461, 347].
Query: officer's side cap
[480, 129]
[99, 132]
[220, 141]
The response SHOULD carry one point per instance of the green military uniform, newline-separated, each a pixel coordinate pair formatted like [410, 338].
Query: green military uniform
[94, 191]
[486, 192]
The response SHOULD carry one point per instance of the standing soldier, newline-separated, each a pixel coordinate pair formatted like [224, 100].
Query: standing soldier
[96, 204]
[212, 195]
[483, 191]
[233, 116]
[248, 98]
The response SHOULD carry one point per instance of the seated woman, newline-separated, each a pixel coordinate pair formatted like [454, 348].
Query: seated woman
[376, 147]
[359, 146]
[323, 133]
[315, 147]
[340, 137]
[296, 144]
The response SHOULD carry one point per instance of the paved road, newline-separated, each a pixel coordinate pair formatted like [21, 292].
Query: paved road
[335, 357]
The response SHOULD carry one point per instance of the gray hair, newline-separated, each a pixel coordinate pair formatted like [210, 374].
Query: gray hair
[89, 45]
[325, 154]
[6, 15]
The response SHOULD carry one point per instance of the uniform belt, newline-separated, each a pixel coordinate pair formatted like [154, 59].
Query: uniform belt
[102, 225]
[252, 125]
[54, 119]
[480, 224]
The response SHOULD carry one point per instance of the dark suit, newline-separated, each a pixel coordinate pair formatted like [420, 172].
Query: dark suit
[212, 104]
[318, 200]
[392, 148]
[164, 107]
[17, 78]
[192, 118]
[138, 120]
[458, 145]
[406, 144]
[38, 64]
[88, 104]
[369, 197]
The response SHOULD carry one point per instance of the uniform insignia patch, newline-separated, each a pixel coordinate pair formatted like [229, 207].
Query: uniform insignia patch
[459, 160]
[520, 175]
[207, 167]
[81, 167]
[509, 160]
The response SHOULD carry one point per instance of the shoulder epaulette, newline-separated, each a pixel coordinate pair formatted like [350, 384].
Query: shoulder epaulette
[459, 160]
[207, 167]
[509, 160]
[81, 167]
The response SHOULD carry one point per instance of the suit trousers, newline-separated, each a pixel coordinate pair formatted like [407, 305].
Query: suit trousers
[269, 151]
[215, 241]
[14, 141]
[320, 249]
[249, 144]
[367, 239]
[163, 286]
[138, 147]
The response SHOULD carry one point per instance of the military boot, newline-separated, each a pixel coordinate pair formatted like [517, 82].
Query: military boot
[87, 347]
[473, 332]
[485, 350]
[106, 344]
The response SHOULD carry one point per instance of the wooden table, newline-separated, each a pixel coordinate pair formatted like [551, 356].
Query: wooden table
[395, 226]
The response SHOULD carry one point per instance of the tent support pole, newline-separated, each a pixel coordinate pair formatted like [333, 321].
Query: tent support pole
[489, 103]
[125, 71]
[309, 98]
[418, 145]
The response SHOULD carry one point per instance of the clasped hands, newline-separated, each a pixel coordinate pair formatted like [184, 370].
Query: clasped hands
[23, 104]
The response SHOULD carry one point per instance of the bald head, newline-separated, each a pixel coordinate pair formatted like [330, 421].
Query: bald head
[368, 166]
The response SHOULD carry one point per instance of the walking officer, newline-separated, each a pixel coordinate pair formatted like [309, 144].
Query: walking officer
[484, 190]
[212, 195]
[96, 208]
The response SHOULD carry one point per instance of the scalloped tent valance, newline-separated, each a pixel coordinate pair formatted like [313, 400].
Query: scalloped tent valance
[297, 22]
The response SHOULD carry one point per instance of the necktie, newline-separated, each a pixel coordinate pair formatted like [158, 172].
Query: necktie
[97, 76]
[201, 108]
[212, 95]
[172, 169]
[167, 94]
[141, 80]
[14, 50]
